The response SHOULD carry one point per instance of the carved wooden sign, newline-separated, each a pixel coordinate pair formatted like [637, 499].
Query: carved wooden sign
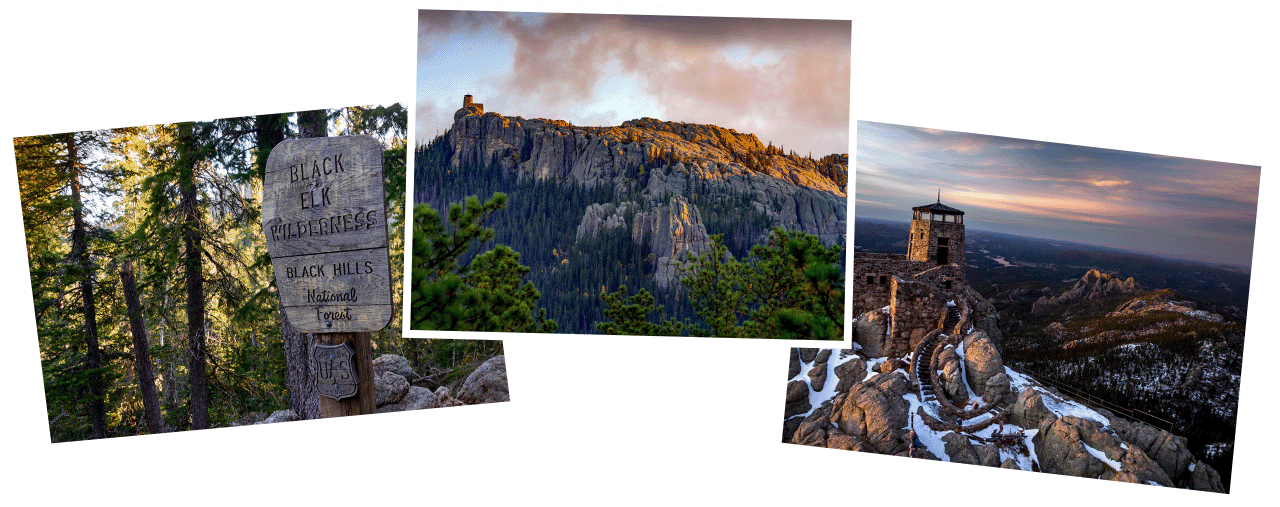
[324, 215]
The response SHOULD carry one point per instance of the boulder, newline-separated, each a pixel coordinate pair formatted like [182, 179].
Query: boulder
[417, 398]
[1137, 468]
[981, 362]
[285, 415]
[789, 428]
[952, 376]
[1205, 478]
[875, 412]
[389, 388]
[808, 355]
[1028, 410]
[797, 398]
[442, 393]
[988, 455]
[1062, 446]
[850, 372]
[818, 374]
[870, 332]
[1010, 464]
[487, 384]
[958, 448]
[794, 368]
[394, 364]
[813, 429]
[998, 386]
[837, 439]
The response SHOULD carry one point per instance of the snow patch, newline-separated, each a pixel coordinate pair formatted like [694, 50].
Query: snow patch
[1000, 259]
[1115, 465]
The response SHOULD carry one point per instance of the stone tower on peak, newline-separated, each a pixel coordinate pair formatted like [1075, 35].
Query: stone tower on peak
[468, 107]
[937, 235]
[466, 102]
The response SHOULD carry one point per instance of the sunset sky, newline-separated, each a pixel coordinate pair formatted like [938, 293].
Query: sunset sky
[1170, 207]
[787, 81]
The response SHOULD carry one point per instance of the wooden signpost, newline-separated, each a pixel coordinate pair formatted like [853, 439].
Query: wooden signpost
[324, 216]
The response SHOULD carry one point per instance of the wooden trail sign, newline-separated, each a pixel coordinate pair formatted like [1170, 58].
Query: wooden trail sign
[324, 215]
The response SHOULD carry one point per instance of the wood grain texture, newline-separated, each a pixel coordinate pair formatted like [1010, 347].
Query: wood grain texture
[324, 218]
[363, 402]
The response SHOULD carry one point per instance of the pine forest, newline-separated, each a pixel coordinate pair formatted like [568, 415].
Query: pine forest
[153, 291]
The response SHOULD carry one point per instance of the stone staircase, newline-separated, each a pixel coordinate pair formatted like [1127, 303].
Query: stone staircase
[922, 362]
[953, 318]
[925, 378]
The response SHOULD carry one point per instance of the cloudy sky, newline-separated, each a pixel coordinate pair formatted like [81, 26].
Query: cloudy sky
[1171, 207]
[787, 81]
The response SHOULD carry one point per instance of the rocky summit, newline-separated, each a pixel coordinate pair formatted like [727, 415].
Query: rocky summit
[661, 160]
[594, 209]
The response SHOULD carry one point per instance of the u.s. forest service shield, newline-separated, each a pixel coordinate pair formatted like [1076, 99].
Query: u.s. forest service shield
[334, 369]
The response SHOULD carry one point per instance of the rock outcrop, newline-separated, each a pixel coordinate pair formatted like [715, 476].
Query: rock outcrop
[394, 364]
[1040, 430]
[871, 332]
[1093, 285]
[871, 416]
[1163, 301]
[487, 384]
[983, 365]
[1170, 453]
[674, 231]
[663, 159]
[415, 398]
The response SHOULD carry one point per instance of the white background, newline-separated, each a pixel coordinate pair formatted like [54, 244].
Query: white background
[620, 420]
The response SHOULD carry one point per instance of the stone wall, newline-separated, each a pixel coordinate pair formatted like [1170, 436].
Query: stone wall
[923, 242]
[873, 274]
[939, 276]
[915, 310]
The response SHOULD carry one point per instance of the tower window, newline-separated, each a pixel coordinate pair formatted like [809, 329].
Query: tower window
[871, 279]
[944, 241]
[884, 280]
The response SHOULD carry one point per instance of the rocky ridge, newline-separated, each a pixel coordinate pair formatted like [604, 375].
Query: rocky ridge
[672, 172]
[1093, 285]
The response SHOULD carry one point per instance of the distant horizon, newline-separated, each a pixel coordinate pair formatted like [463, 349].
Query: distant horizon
[907, 222]
[1167, 207]
[787, 81]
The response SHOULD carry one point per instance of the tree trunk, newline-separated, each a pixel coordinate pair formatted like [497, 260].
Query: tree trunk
[195, 279]
[303, 398]
[142, 359]
[80, 256]
[313, 124]
[297, 354]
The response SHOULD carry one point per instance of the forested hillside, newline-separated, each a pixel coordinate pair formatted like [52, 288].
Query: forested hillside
[591, 210]
[153, 292]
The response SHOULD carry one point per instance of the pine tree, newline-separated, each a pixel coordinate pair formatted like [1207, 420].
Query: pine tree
[456, 289]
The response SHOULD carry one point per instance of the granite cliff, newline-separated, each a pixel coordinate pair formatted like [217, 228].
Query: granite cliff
[577, 194]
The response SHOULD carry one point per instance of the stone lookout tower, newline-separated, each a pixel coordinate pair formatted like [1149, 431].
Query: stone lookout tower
[466, 102]
[937, 235]
[468, 107]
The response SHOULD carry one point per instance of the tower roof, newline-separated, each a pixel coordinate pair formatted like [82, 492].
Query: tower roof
[938, 208]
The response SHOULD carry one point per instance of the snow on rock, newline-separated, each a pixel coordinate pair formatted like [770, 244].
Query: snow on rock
[859, 407]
